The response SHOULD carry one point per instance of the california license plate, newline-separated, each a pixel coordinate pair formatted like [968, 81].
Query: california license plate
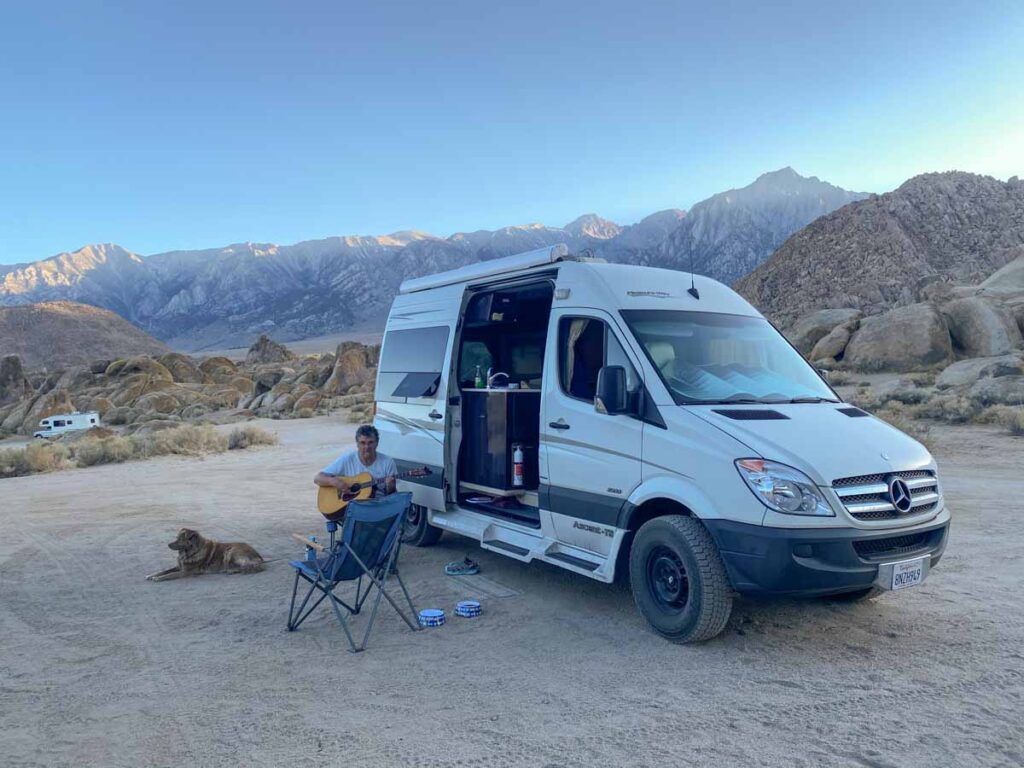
[907, 574]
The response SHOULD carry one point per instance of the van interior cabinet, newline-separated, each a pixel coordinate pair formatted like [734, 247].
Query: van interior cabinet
[493, 420]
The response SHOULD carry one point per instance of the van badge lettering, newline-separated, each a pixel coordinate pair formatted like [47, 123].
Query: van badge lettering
[651, 294]
[615, 490]
[609, 532]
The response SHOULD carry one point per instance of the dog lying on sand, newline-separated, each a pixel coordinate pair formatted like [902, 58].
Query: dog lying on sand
[198, 554]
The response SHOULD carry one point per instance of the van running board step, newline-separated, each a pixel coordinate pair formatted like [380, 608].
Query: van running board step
[498, 544]
[579, 562]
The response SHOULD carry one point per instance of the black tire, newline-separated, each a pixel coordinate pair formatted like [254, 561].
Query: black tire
[416, 530]
[678, 579]
[858, 596]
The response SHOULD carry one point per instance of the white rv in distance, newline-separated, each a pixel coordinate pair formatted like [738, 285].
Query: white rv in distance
[620, 421]
[61, 423]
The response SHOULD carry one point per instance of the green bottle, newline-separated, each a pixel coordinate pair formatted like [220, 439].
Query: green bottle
[478, 380]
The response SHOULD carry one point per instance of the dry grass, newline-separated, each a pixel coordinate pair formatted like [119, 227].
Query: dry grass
[839, 378]
[188, 440]
[952, 409]
[1010, 417]
[249, 435]
[34, 458]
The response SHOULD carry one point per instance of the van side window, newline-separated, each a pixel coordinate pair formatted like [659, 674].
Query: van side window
[411, 363]
[585, 345]
[58, 423]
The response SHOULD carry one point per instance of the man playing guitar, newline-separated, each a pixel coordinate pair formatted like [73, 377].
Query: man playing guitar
[364, 459]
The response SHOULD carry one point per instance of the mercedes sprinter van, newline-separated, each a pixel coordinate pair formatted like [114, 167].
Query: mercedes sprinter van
[626, 421]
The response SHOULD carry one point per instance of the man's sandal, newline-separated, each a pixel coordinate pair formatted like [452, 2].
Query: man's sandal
[465, 567]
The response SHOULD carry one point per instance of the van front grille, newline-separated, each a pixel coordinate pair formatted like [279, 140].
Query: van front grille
[866, 497]
[893, 546]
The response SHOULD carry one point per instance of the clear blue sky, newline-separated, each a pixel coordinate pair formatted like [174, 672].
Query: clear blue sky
[197, 124]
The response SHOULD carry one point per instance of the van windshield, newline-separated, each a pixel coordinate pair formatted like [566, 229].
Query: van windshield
[709, 358]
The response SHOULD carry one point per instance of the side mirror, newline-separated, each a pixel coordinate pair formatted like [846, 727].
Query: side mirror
[611, 390]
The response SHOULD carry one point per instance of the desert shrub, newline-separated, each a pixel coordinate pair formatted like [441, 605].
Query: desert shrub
[923, 378]
[951, 409]
[249, 435]
[839, 378]
[34, 458]
[1010, 417]
[107, 450]
[862, 398]
[188, 440]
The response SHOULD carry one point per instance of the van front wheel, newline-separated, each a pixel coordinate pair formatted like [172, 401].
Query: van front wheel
[678, 580]
[416, 530]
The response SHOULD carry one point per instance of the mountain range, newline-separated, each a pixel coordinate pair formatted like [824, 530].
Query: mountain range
[888, 250]
[225, 296]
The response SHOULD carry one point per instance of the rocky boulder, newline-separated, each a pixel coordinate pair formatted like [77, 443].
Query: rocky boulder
[182, 368]
[56, 401]
[352, 367]
[136, 365]
[810, 329]
[14, 384]
[1004, 390]
[1007, 281]
[833, 345]
[266, 350]
[981, 328]
[218, 367]
[903, 339]
[967, 372]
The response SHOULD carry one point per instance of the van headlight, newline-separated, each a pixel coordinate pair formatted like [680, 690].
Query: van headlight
[783, 488]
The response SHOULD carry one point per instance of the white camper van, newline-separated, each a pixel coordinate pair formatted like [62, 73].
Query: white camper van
[624, 421]
[60, 423]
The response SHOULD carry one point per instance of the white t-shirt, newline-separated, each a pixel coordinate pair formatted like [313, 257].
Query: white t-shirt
[349, 465]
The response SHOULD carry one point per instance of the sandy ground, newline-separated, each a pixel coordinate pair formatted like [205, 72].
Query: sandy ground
[99, 667]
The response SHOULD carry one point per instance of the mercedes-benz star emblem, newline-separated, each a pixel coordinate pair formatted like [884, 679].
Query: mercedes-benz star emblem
[899, 495]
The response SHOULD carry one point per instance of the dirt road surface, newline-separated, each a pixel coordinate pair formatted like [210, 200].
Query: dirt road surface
[99, 667]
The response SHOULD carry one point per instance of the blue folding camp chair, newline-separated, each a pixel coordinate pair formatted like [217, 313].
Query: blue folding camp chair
[368, 548]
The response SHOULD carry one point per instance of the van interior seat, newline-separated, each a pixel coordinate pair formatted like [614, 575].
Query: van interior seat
[663, 354]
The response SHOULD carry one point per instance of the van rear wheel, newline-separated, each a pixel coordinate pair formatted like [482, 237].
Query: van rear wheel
[416, 530]
[678, 579]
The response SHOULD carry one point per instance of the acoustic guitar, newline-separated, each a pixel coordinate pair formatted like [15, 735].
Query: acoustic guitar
[332, 501]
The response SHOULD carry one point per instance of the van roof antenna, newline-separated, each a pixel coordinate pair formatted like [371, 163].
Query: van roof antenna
[692, 290]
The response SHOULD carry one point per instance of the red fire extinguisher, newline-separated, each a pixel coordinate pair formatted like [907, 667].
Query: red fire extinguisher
[517, 465]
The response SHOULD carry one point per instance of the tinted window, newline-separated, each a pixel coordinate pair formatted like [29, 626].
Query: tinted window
[585, 346]
[419, 350]
[411, 363]
[58, 423]
[707, 357]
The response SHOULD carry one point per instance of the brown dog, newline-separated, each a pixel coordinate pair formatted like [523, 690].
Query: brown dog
[197, 555]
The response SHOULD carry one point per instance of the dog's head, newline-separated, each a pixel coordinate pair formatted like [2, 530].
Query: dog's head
[188, 541]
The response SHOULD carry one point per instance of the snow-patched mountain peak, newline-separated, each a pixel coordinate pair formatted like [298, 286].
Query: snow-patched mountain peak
[224, 296]
[592, 225]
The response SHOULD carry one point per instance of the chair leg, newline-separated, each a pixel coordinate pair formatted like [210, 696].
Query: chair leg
[380, 586]
[344, 626]
[412, 608]
[297, 617]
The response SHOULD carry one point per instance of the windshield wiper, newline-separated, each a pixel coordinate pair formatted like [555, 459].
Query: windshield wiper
[811, 400]
[738, 401]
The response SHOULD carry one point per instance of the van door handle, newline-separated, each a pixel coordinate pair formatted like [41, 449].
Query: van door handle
[435, 415]
[560, 424]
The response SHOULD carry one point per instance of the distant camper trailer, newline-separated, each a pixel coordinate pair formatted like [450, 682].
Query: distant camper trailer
[60, 423]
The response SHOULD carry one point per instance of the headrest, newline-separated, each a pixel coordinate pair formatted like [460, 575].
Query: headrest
[663, 354]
